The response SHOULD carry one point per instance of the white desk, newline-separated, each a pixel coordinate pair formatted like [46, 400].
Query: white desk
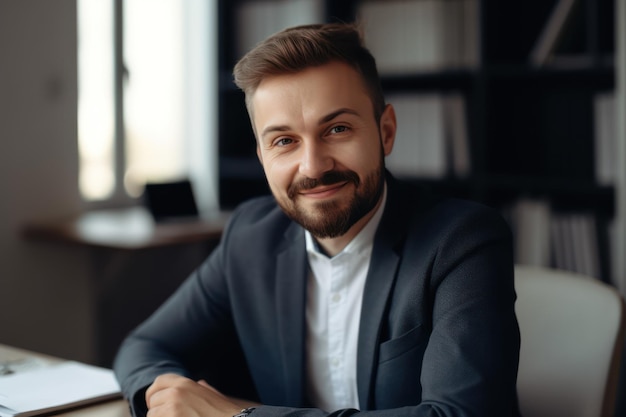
[128, 229]
[116, 408]
[113, 408]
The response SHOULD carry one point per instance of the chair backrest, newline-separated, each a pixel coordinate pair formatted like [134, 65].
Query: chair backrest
[572, 332]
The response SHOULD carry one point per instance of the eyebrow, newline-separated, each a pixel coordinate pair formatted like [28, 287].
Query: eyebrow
[324, 119]
[332, 115]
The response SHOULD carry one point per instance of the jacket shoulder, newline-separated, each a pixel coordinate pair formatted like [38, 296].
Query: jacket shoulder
[257, 219]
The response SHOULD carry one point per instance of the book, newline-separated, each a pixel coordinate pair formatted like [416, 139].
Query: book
[55, 387]
[456, 130]
[557, 244]
[421, 36]
[470, 35]
[420, 144]
[563, 242]
[531, 219]
[260, 19]
[552, 31]
[431, 138]
[575, 243]
[384, 33]
[588, 244]
[605, 137]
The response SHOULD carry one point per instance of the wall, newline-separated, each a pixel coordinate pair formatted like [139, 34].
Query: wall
[44, 302]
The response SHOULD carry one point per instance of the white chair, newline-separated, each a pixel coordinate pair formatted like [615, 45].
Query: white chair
[572, 333]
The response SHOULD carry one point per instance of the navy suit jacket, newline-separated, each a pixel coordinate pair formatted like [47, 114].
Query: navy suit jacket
[438, 334]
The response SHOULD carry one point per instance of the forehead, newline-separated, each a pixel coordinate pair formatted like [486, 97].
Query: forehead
[335, 82]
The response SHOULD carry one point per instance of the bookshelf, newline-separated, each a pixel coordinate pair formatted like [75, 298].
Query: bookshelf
[528, 107]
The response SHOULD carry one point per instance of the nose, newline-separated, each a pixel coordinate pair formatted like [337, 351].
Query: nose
[316, 159]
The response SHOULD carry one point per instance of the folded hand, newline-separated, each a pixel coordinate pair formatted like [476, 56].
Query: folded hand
[175, 396]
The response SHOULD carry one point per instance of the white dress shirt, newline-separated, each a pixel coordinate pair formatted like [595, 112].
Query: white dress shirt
[333, 311]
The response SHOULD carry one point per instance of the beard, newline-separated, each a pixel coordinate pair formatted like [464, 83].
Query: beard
[333, 218]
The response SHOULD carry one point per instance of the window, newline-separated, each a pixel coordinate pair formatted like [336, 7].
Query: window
[147, 91]
[96, 121]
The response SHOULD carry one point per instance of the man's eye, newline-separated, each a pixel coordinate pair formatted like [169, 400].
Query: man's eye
[339, 129]
[283, 142]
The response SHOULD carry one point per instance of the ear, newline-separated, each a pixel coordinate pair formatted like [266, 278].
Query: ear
[388, 128]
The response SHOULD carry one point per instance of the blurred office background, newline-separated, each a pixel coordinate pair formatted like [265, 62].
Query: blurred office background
[99, 97]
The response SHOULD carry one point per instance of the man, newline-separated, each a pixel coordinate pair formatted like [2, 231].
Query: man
[347, 291]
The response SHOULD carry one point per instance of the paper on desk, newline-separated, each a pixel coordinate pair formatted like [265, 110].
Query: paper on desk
[55, 387]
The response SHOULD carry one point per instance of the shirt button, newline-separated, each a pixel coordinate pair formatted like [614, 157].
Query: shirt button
[336, 298]
[334, 362]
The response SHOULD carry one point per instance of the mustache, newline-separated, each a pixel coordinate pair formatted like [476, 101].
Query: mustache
[328, 178]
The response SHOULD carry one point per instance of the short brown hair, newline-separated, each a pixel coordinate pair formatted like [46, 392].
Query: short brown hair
[295, 49]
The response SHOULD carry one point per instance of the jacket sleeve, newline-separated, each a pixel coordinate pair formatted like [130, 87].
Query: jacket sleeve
[193, 325]
[463, 260]
[471, 360]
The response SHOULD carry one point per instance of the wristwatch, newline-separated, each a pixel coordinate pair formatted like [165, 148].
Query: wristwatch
[245, 412]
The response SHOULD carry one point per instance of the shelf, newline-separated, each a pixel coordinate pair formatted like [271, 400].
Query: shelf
[430, 81]
[564, 194]
[598, 76]
[501, 190]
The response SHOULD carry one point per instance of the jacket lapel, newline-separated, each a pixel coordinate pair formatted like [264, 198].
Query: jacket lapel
[378, 286]
[291, 278]
[380, 279]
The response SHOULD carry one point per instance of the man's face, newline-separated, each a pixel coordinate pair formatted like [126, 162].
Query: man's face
[320, 146]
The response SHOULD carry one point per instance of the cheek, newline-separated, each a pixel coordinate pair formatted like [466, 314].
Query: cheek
[278, 172]
[362, 157]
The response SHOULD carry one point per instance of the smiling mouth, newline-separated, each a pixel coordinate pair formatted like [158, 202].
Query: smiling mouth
[328, 184]
[323, 191]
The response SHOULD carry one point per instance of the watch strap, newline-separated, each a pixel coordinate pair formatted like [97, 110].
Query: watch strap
[245, 412]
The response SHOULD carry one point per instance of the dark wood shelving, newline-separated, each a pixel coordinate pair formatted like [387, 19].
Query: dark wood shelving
[444, 80]
[530, 129]
[500, 191]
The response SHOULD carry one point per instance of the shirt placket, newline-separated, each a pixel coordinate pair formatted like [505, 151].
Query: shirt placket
[336, 329]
